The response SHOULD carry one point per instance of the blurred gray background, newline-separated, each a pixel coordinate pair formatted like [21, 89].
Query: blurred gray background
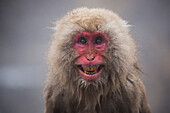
[25, 37]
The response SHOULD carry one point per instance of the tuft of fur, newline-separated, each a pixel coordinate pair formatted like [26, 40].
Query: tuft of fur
[119, 88]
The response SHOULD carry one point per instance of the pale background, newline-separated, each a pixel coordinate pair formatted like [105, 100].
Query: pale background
[24, 41]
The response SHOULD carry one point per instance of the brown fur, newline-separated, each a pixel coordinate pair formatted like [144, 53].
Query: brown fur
[119, 88]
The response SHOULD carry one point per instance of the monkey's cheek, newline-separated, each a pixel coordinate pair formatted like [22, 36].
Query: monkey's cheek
[90, 78]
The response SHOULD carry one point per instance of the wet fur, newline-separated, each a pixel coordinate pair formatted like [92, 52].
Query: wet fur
[119, 88]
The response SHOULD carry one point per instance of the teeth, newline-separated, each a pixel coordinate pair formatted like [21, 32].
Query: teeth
[85, 69]
[90, 70]
[95, 68]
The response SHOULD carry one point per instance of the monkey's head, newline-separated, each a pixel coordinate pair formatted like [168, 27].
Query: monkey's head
[91, 46]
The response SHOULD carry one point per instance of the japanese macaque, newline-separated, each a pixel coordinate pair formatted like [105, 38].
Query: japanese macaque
[93, 66]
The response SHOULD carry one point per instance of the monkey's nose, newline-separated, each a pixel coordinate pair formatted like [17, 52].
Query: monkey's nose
[90, 57]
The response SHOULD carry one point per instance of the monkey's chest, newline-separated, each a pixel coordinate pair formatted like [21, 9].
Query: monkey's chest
[92, 106]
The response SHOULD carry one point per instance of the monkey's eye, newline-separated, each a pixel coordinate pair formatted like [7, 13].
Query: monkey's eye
[98, 40]
[82, 40]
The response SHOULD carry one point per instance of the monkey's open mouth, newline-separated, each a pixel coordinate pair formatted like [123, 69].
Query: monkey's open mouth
[90, 72]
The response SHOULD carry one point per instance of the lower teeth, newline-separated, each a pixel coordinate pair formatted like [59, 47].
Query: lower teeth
[90, 73]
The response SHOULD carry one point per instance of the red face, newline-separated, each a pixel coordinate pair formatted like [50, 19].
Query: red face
[90, 47]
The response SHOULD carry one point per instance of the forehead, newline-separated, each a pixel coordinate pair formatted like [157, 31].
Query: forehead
[91, 35]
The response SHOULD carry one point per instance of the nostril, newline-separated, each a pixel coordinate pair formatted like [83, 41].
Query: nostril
[90, 58]
[93, 58]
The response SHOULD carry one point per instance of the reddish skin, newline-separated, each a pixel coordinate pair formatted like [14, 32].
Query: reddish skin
[90, 53]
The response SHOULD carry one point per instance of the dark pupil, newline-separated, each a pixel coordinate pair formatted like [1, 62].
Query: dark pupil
[98, 40]
[82, 40]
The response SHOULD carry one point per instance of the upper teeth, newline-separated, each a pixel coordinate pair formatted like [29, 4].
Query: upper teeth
[90, 68]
